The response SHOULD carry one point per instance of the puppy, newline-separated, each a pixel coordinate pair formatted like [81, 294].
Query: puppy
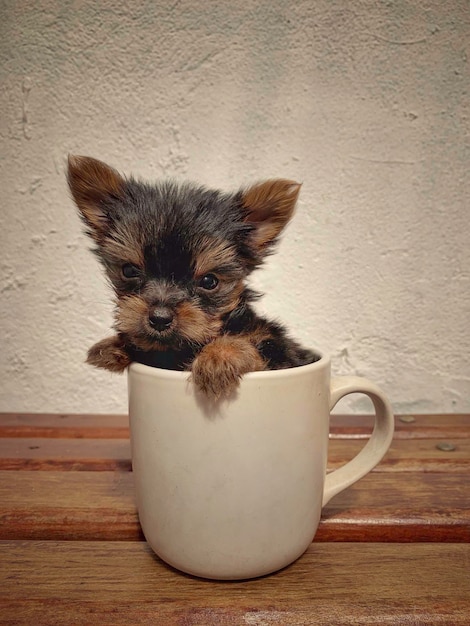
[177, 257]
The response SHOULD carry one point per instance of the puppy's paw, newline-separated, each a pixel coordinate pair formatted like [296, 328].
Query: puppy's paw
[109, 354]
[218, 368]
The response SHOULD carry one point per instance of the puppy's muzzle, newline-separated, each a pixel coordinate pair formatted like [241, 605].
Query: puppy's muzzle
[161, 318]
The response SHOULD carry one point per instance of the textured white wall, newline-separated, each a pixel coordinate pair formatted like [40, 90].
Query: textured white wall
[365, 101]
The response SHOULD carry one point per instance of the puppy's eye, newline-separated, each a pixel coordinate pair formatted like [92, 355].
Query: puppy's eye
[209, 282]
[130, 271]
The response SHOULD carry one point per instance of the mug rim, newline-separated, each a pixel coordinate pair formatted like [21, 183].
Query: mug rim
[287, 372]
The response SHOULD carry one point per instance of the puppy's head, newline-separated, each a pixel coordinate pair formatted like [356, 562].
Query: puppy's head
[176, 255]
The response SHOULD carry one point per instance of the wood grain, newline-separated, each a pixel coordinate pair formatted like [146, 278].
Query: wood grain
[333, 583]
[407, 455]
[455, 426]
[68, 505]
[101, 505]
[103, 454]
[392, 549]
[65, 454]
[66, 425]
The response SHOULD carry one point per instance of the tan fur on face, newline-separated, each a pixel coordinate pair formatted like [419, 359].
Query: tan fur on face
[213, 254]
[124, 247]
[92, 182]
[132, 320]
[270, 206]
[236, 291]
[191, 323]
[195, 325]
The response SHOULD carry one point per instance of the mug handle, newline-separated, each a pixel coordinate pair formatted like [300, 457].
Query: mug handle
[378, 443]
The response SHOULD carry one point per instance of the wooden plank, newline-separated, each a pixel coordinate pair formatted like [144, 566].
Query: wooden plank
[400, 508]
[93, 426]
[68, 505]
[101, 505]
[65, 454]
[333, 583]
[407, 455]
[438, 426]
[64, 425]
[114, 454]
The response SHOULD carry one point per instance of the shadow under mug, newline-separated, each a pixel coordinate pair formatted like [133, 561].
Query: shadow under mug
[235, 490]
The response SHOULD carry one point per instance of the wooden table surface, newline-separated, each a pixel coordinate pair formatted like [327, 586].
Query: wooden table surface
[392, 549]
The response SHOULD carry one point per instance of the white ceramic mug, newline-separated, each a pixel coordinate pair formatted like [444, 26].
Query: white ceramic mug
[236, 491]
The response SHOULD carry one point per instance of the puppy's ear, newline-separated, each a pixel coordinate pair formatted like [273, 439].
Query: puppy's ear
[269, 206]
[93, 184]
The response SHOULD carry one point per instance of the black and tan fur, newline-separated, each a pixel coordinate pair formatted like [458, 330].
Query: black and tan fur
[178, 257]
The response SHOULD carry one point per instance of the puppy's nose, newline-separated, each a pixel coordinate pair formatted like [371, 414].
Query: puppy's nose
[160, 318]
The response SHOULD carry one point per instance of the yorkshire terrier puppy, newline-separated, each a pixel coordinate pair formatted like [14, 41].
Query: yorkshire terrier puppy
[178, 257]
